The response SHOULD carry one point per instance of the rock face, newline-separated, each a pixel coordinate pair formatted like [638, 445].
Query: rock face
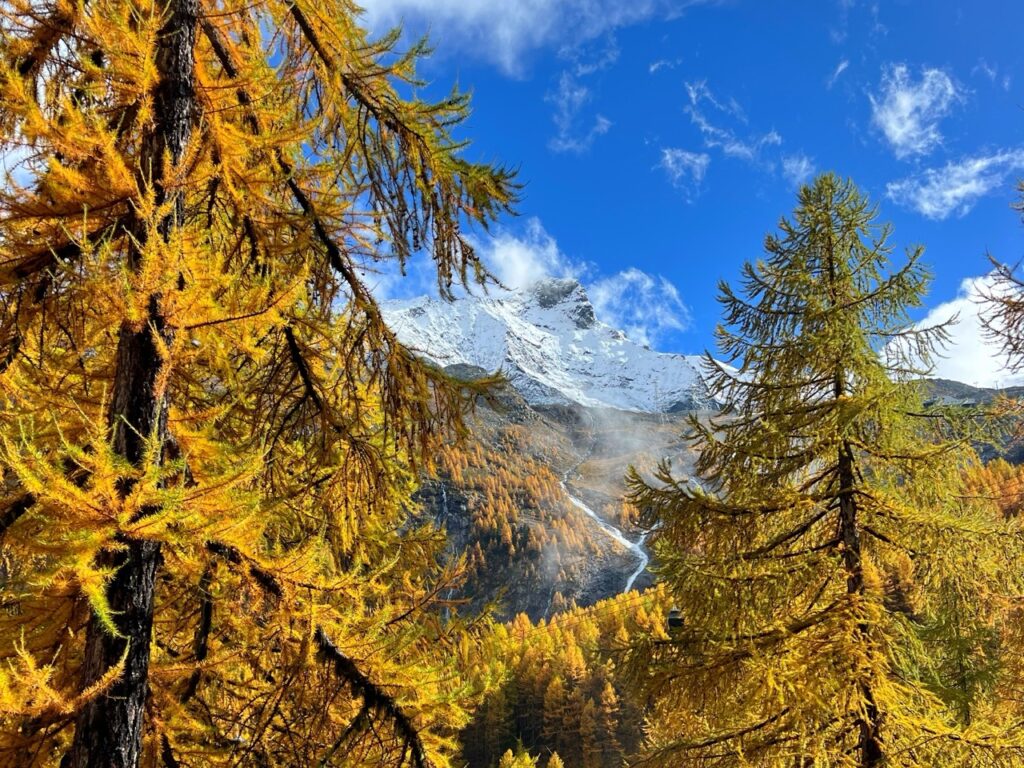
[552, 347]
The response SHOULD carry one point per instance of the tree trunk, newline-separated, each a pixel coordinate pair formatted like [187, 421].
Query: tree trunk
[870, 745]
[108, 731]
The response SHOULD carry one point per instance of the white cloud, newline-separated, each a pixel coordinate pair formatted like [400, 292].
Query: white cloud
[971, 357]
[797, 169]
[506, 31]
[699, 91]
[645, 307]
[590, 57]
[725, 139]
[841, 67]
[847, 8]
[938, 193]
[991, 71]
[519, 261]
[685, 169]
[569, 100]
[660, 64]
[908, 112]
[839, 33]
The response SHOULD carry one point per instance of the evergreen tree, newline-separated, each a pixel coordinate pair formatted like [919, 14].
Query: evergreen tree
[208, 432]
[822, 482]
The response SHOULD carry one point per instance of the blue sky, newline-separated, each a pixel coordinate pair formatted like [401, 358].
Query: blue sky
[660, 140]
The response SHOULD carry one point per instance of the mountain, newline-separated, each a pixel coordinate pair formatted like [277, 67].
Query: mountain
[949, 392]
[534, 498]
[552, 347]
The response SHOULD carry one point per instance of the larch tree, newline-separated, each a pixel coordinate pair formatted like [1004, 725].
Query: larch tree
[208, 435]
[813, 562]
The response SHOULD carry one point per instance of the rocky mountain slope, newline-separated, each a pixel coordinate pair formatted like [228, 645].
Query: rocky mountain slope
[552, 347]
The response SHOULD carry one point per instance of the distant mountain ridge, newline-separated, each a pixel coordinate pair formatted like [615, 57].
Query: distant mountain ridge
[552, 347]
[949, 392]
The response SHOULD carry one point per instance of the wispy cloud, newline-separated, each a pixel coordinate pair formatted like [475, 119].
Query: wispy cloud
[847, 9]
[506, 33]
[569, 99]
[797, 168]
[839, 32]
[717, 136]
[953, 189]
[575, 131]
[520, 260]
[699, 91]
[685, 169]
[991, 71]
[908, 111]
[646, 307]
[660, 64]
[841, 67]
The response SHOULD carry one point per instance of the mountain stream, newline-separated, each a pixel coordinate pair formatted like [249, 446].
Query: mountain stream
[636, 547]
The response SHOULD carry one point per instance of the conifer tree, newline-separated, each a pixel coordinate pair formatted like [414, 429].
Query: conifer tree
[208, 432]
[820, 485]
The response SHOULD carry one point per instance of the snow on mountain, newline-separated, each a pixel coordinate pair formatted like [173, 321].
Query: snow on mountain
[551, 346]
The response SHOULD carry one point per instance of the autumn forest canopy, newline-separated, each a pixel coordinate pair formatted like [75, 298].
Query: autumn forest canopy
[217, 454]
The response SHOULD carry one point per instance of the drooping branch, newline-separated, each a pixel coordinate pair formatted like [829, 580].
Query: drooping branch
[268, 581]
[303, 367]
[374, 697]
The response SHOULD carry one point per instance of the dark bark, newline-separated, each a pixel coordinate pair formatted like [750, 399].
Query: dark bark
[375, 700]
[201, 642]
[870, 745]
[109, 729]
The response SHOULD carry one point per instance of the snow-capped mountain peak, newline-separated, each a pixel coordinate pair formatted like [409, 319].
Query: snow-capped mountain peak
[552, 347]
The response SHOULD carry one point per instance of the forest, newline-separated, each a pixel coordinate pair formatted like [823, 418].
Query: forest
[214, 448]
